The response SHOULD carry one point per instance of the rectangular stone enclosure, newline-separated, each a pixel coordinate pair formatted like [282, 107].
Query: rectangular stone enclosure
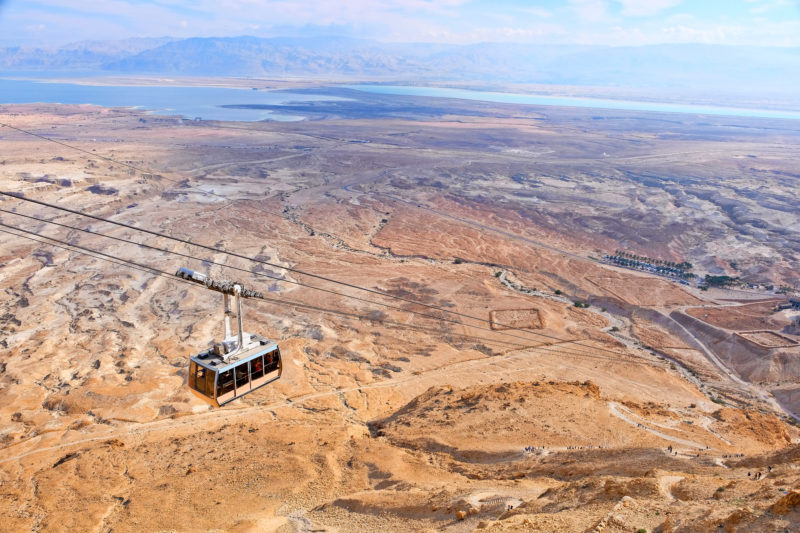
[516, 318]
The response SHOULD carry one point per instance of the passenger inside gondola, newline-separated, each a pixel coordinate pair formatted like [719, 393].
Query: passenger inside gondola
[272, 362]
[257, 368]
[221, 386]
[242, 375]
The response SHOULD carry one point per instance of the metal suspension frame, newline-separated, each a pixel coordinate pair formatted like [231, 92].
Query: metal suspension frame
[228, 289]
[228, 313]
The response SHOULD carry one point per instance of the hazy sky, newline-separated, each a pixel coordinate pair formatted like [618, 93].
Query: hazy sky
[616, 22]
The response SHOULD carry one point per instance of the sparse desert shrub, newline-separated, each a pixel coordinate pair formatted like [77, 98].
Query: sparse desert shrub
[377, 316]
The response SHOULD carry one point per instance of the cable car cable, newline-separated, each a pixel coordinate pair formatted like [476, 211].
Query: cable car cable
[417, 313]
[157, 272]
[110, 259]
[330, 280]
[154, 271]
[323, 278]
[187, 256]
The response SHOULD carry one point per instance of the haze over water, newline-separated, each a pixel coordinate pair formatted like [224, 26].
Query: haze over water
[206, 102]
[189, 102]
[571, 101]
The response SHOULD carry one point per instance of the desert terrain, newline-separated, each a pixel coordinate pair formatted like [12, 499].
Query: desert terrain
[498, 376]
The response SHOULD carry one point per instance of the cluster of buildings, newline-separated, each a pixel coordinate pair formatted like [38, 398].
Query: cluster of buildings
[644, 264]
[793, 303]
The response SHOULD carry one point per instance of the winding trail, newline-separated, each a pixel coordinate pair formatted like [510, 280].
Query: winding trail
[666, 483]
[730, 374]
[216, 166]
[617, 409]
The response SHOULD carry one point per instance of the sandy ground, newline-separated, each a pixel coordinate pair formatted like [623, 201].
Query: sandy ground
[745, 317]
[384, 418]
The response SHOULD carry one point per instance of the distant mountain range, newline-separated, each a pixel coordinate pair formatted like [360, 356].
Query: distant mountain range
[667, 67]
[84, 55]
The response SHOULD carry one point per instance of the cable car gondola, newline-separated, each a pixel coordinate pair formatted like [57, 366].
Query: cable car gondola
[240, 363]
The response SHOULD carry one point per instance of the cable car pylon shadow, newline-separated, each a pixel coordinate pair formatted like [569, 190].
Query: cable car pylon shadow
[239, 364]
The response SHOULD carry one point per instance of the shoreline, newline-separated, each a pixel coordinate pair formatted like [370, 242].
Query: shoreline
[584, 97]
[577, 102]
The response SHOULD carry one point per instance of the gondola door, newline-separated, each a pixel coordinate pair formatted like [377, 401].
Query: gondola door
[242, 373]
[226, 391]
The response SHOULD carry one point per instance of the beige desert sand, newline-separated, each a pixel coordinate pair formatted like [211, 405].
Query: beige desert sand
[598, 419]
